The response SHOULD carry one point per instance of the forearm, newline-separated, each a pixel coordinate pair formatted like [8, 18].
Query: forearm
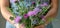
[53, 11]
[6, 14]
[4, 11]
[51, 14]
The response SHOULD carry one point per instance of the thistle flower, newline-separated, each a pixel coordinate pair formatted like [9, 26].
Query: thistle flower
[37, 10]
[33, 2]
[25, 16]
[17, 19]
[13, 1]
[34, 12]
[30, 13]
[44, 4]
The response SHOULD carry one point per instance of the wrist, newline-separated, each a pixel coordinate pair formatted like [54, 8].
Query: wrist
[46, 21]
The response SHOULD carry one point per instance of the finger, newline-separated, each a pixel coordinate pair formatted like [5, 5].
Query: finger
[21, 25]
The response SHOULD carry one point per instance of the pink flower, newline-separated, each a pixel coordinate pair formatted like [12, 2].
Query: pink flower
[33, 2]
[37, 10]
[17, 19]
[44, 4]
[13, 1]
[34, 12]
[25, 16]
[30, 13]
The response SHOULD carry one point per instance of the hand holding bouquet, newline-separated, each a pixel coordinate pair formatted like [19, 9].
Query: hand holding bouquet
[29, 15]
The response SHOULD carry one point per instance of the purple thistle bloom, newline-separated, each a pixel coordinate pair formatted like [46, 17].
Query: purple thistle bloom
[30, 13]
[44, 4]
[34, 12]
[37, 10]
[13, 1]
[25, 16]
[17, 19]
[33, 2]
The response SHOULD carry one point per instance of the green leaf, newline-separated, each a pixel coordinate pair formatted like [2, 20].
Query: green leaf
[28, 23]
[12, 18]
[45, 9]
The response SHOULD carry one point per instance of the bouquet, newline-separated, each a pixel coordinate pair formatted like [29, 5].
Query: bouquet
[30, 15]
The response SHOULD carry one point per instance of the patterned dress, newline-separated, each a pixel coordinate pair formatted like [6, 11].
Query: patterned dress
[26, 3]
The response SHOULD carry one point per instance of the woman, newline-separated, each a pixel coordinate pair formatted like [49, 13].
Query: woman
[10, 24]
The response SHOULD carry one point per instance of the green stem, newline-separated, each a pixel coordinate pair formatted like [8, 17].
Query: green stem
[11, 12]
[46, 9]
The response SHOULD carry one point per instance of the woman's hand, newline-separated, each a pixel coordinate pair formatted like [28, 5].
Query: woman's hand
[19, 25]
